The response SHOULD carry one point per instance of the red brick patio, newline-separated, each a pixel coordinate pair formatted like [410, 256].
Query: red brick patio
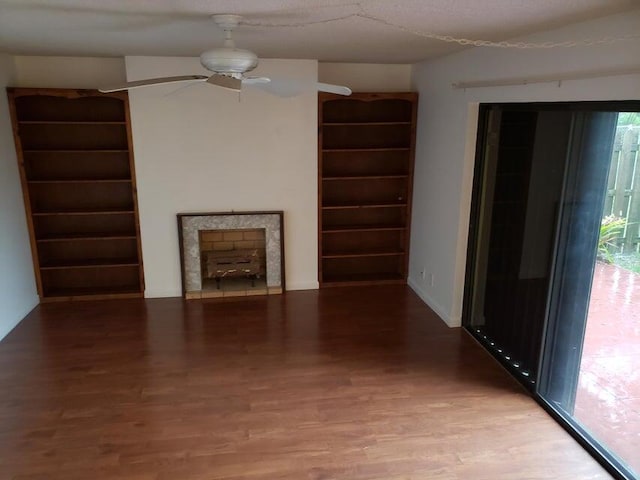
[608, 397]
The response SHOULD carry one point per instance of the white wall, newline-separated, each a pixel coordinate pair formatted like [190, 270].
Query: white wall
[17, 282]
[201, 149]
[447, 123]
[367, 77]
[68, 72]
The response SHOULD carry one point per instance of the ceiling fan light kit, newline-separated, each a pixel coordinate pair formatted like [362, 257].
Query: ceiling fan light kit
[228, 65]
[229, 60]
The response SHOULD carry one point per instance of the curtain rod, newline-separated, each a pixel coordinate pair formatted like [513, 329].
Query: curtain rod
[547, 78]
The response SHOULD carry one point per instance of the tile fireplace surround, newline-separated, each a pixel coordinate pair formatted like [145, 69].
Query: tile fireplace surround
[190, 224]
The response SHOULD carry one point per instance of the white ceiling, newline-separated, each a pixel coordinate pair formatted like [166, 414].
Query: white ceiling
[183, 27]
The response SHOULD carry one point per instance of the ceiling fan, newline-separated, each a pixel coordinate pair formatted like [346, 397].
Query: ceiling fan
[228, 65]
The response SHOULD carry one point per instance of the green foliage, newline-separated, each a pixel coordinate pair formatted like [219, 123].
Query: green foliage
[628, 261]
[628, 118]
[610, 230]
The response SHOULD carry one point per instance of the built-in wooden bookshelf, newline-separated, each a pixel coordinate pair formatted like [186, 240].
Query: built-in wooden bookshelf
[75, 158]
[366, 155]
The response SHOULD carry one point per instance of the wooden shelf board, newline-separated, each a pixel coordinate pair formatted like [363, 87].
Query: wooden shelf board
[96, 150]
[362, 254]
[83, 212]
[393, 149]
[348, 124]
[366, 177]
[373, 205]
[92, 237]
[101, 263]
[362, 279]
[90, 293]
[70, 122]
[81, 180]
[362, 228]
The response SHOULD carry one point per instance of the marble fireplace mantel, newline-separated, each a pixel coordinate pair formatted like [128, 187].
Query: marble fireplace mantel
[189, 224]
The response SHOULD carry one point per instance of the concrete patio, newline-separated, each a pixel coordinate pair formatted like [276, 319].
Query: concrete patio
[608, 397]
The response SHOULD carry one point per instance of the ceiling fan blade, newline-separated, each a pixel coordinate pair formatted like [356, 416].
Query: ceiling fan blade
[291, 87]
[225, 81]
[281, 87]
[255, 80]
[337, 89]
[151, 81]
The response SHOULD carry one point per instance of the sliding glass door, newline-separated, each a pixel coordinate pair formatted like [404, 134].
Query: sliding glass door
[539, 231]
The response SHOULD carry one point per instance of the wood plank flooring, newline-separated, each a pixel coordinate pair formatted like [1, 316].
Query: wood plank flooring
[345, 383]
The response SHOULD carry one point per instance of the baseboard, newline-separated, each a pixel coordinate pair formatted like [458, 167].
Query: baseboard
[165, 293]
[7, 328]
[314, 285]
[433, 305]
[162, 293]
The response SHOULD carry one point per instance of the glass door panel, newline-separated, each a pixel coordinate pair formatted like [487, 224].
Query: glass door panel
[592, 361]
[608, 393]
[522, 175]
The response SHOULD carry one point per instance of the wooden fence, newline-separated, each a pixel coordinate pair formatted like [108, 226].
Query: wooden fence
[623, 195]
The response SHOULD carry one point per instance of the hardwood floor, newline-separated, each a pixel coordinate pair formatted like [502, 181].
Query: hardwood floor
[348, 383]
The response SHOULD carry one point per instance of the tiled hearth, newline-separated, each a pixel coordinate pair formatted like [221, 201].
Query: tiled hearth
[231, 254]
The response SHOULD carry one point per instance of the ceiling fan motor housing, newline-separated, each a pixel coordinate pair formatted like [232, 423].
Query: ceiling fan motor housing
[229, 60]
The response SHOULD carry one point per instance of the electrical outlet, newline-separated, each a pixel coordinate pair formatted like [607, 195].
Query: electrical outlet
[432, 279]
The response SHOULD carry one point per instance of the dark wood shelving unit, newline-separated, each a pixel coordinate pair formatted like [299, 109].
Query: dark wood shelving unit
[76, 165]
[365, 176]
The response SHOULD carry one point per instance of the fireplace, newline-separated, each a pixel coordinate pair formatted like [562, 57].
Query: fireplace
[231, 254]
